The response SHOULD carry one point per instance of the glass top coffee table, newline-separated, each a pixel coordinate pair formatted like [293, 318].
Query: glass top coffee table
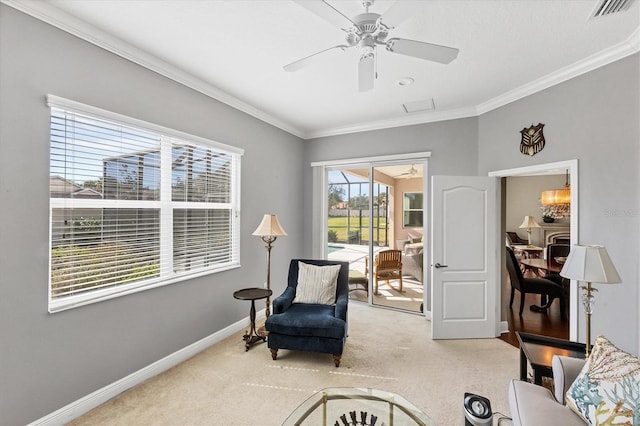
[357, 406]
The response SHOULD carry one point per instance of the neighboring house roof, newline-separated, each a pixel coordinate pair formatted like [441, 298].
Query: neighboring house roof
[60, 187]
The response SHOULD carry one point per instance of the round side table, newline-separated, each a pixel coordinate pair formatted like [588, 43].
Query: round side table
[251, 336]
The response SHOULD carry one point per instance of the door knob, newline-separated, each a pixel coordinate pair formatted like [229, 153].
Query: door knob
[439, 265]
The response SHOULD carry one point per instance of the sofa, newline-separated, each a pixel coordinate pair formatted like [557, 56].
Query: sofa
[412, 264]
[535, 405]
[603, 389]
[412, 256]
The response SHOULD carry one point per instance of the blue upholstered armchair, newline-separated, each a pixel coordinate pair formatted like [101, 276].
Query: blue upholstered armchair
[312, 327]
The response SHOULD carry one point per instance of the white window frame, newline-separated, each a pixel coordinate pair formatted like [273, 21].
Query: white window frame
[164, 204]
[406, 209]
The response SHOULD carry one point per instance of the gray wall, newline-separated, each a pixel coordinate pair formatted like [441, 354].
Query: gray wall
[50, 360]
[594, 118]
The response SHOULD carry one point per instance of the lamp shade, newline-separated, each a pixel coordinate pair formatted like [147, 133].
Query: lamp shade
[591, 264]
[269, 227]
[529, 222]
[555, 196]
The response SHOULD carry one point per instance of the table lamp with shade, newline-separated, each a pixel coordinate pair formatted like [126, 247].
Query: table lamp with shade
[592, 264]
[528, 223]
[269, 230]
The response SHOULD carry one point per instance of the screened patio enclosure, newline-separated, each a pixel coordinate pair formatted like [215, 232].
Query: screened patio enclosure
[349, 215]
[366, 213]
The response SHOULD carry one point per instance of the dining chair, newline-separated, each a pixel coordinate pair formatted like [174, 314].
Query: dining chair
[557, 250]
[542, 286]
[554, 251]
[514, 239]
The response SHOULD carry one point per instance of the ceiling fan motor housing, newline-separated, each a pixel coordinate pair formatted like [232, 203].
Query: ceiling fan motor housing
[366, 24]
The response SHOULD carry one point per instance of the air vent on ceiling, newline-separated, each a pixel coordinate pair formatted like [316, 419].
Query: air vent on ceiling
[609, 7]
[416, 106]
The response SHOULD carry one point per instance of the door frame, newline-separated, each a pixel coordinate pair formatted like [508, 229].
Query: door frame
[319, 238]
[572, 167]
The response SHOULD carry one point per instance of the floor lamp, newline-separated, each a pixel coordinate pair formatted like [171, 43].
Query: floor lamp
[269, 230]
[591, 264]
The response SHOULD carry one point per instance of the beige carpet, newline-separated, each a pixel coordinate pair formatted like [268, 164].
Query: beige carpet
[388, 295]
[387, 350]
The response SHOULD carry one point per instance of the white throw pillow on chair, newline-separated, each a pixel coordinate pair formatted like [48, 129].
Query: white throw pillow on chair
[317, 284]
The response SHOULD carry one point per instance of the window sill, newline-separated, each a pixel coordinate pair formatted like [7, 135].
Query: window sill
[71, 302]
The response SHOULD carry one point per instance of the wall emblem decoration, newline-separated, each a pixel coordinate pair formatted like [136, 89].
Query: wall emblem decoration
[532, 140]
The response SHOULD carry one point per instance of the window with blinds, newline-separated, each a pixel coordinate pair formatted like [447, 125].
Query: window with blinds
[134, 205]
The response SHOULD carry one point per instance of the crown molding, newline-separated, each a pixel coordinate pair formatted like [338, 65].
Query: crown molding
[54, 16]
[417, 118]
[626, 48]
[45, 12]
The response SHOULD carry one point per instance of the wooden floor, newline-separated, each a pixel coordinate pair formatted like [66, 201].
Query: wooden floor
[546, 324]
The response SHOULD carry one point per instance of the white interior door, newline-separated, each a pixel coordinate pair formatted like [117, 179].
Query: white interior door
[465, 257]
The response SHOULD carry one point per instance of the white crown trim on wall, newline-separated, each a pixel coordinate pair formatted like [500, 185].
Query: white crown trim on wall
[50, 14]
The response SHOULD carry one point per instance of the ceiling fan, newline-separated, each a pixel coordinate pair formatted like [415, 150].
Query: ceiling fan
[368, 30]
[412, 172]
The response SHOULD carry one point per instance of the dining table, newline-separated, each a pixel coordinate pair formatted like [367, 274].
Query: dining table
[540, 267]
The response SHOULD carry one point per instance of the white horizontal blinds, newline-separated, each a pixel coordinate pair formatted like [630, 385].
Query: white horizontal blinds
[202, 208]
[132, 207]
[97, 241]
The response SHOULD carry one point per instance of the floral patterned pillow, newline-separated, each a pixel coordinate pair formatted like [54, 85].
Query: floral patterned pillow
[607, 390]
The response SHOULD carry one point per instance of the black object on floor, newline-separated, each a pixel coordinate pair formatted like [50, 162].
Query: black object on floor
[477, 410]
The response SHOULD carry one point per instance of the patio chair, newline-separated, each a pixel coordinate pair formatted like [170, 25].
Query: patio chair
[387, 266]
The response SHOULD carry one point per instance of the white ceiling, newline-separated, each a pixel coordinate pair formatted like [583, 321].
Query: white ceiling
[234, 50]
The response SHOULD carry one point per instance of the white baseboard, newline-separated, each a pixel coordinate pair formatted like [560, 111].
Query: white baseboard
[93, 400]
[504, 327]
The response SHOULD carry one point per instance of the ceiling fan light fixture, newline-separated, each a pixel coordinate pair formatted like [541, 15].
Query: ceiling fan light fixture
[352, 38]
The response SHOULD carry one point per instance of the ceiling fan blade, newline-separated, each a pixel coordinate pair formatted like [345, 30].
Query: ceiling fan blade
[327, 12]
[365, 73]
[399, 11]
[300, 63]
[422, 50]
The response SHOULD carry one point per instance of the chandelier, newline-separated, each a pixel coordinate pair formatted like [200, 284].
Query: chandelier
[556, 203]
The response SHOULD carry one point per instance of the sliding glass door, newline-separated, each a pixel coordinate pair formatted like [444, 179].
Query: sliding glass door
[374, 220]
